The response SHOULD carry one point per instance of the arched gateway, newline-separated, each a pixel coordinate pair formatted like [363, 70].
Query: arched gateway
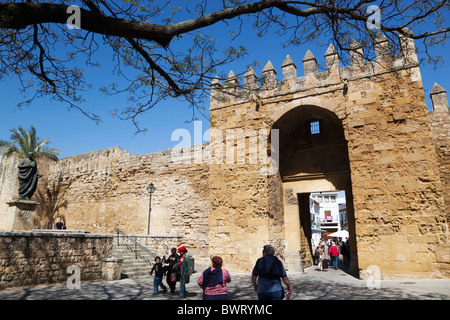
[363, 129]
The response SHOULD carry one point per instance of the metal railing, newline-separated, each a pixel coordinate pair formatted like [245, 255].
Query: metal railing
[134, 245]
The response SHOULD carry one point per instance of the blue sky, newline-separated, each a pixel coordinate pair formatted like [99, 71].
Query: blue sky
[74, 133]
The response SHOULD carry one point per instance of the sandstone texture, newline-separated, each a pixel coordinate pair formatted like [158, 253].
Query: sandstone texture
[33, 258]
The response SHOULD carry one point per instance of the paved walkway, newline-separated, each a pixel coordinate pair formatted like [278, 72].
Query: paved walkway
[311, 285]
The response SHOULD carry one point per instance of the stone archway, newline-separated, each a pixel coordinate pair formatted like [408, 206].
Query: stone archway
[313, 156]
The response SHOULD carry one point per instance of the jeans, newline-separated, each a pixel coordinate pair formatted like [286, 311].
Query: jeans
[182, 290]
[157, 282]
[276, 295]
[334, 260]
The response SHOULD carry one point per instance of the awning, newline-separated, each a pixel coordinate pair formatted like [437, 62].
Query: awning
[339, 234]
[317, 230]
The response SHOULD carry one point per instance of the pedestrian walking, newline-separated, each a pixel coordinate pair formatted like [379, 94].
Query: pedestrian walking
[214, 281]
[184, 267]
[59, 224]
[266, 276]
[159, 273]
[333, 252]
[321, 257]
[345, 249]
[171, 277]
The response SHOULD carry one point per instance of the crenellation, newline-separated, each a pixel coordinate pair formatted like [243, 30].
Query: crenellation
[309, 64]
[407, 57]
[289, 69]
[381, 47]
[250, 79]
[332, 59]
[438, 97]
[231, 83]
[440, 128]
[230, 94]
[269, 76]
[356, 52]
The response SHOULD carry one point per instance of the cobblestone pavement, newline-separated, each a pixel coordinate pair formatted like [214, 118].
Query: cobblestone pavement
[310, 285]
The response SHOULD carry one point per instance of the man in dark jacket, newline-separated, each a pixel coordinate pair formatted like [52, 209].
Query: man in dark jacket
[171, 274]
[269, 270]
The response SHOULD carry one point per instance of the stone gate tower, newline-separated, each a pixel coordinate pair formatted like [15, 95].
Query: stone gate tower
[372, 138]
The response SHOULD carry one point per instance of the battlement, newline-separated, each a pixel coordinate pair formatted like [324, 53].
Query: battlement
[232, 91]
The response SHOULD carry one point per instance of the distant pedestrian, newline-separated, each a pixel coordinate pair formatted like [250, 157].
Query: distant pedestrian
[346, 254]
[185, 269]
[59, 225]
[266, 276]
[321, 257]
[214, 281]
[159, 273]
[171, 278]
[333, 252]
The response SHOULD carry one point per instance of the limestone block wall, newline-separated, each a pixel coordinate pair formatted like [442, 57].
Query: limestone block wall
[107, 189]
[440, 127]
[102, 190]
[8, 188]
[33, 258]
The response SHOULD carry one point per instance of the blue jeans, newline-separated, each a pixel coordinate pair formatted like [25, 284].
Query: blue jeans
[157, 282]
[182, 290]
[335, 260]
[276, 295]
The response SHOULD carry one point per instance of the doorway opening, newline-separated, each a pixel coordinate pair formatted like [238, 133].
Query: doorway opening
[324, 220]
[314, 166]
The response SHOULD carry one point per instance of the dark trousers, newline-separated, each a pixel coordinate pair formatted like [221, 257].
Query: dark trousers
[171, 284]
[215, 296]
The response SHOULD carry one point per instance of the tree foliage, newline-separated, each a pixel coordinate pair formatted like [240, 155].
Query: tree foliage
[22, 142]
[165, 49]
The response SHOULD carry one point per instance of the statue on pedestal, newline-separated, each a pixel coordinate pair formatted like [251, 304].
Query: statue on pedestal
[28, 177]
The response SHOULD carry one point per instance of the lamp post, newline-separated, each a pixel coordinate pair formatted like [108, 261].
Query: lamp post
[151, 188]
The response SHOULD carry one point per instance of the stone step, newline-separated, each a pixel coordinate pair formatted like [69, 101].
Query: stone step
[133, 267]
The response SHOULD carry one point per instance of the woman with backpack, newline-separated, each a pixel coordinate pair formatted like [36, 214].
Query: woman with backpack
[214, 281]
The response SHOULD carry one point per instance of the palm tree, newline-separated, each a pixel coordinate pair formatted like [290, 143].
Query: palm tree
[23, 142]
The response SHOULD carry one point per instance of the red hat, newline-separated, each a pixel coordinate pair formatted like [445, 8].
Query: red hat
[181, 249]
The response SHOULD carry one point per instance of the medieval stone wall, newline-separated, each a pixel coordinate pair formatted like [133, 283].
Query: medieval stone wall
[32, 258]
[440, 127]
[8, 189]
[107, 189]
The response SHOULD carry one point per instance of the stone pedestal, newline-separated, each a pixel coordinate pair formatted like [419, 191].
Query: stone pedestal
[21, 215]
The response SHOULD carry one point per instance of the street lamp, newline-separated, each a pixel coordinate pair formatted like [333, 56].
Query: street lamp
[151, 188]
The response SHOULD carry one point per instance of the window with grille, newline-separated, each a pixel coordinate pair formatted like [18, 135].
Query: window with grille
[314, 127]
